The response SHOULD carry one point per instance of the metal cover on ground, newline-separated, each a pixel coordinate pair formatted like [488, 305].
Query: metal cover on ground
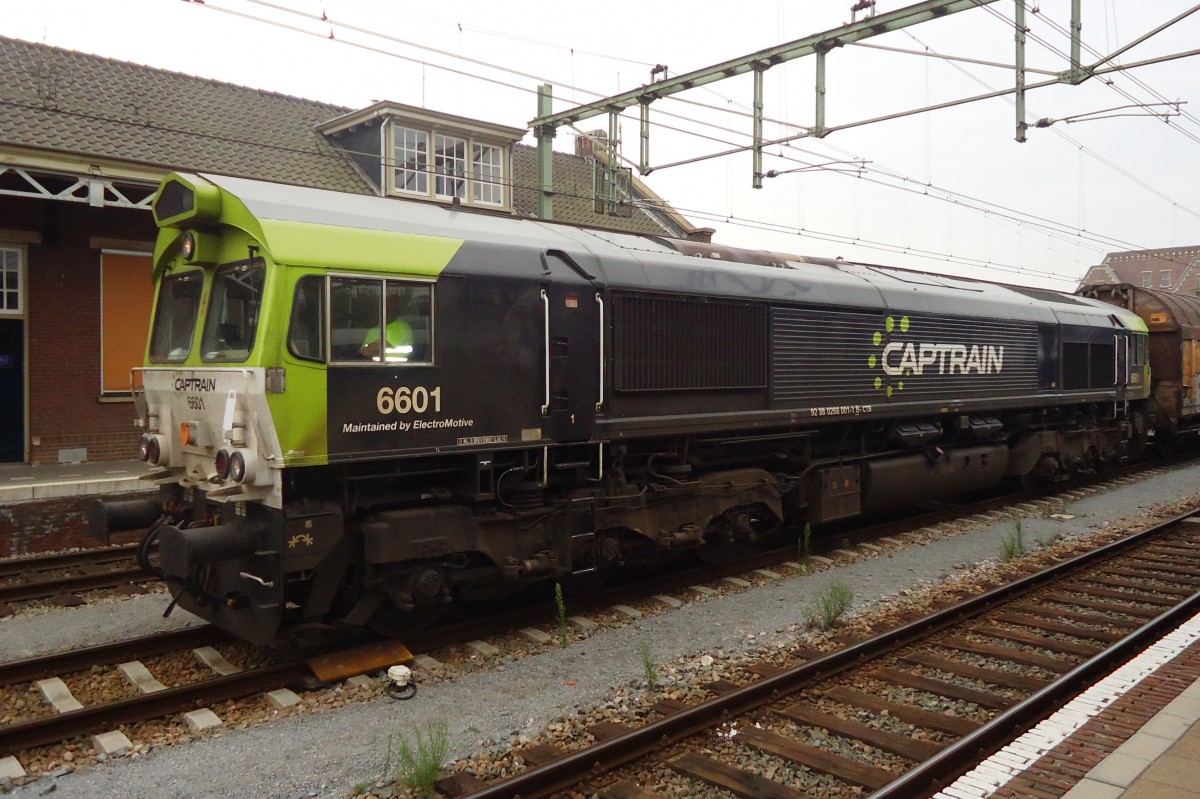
[359, 660]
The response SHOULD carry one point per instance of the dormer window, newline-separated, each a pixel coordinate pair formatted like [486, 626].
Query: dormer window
[420, 154]
[456, 167]
[460, 167]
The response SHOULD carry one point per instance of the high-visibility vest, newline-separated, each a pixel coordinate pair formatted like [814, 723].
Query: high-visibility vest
[399, 340]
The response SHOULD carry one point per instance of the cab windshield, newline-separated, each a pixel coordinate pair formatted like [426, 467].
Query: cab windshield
[233, 310]
[175, 317]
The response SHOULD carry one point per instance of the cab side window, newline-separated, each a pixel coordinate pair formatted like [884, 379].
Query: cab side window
[306, 336]
[380, 321]
[355, 311]
[409, 313]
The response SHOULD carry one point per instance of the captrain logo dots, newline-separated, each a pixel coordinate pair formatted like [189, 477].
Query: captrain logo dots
[885, 382]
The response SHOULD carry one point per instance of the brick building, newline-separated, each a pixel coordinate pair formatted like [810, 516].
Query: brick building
[84, 141]
[1171, 269]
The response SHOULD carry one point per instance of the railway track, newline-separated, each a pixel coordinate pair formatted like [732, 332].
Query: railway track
[902, 713]
[45, 576]
[149, 700]
[35, 732]
[36, 668]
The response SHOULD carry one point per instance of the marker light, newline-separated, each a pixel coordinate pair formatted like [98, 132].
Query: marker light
[189, 245]
[223, 461]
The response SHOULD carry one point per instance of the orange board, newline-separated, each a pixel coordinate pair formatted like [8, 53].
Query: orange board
[126, 296]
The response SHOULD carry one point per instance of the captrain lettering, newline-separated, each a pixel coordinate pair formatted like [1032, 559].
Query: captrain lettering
[195, 384]
[901, 359]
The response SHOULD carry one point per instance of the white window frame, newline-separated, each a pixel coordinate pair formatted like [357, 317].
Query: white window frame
[475, 172]
[411, 148]
[450, 166]
[18, 255]
[1164, 278]
[1147, 280]
[487, 173]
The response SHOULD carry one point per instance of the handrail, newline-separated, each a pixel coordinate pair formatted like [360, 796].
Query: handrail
[546, 304]
[600, 402]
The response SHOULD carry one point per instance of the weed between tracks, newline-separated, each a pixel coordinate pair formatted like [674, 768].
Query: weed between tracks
[831, 605]
[418, 764]
[564, 633]
[1014, 543]
[649, 665]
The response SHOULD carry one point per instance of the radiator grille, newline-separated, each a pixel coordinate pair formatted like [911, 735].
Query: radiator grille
[175, 199]
[667, 344]
[833, 357]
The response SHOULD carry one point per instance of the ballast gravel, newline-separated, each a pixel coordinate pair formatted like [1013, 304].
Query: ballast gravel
[330, 754]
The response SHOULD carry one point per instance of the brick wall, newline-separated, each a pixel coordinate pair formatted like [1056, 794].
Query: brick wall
[54, 524]
[62, 328]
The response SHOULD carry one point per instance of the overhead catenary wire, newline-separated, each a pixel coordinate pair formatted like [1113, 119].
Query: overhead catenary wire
[1133, 78]
[1102, 59]
[874, 245]
[463, 73]
[562, 191]
[313, 17]
[1102, 159]
[264, 3]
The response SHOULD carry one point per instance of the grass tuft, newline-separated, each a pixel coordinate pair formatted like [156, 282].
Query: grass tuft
[1013, 544]
[649, 665]
[831, 606]
[806, 549]
[564, 632]
[418, 763]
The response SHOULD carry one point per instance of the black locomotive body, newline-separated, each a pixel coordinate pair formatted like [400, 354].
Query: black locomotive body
[575, 401]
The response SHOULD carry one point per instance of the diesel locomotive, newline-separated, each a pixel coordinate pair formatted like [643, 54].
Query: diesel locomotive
[363, 409]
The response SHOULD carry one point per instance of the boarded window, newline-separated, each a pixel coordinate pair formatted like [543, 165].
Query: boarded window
[126, 297]
[667, 343]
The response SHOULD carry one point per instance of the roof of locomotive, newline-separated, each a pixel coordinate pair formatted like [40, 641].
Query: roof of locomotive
[643, 263]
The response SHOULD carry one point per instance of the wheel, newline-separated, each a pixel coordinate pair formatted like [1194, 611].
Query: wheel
[392, 622]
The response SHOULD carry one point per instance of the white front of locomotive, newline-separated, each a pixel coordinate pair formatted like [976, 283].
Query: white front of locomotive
[211, 430]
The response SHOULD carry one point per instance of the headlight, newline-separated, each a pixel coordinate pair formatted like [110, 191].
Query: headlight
[241, 466]
[150, 449]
